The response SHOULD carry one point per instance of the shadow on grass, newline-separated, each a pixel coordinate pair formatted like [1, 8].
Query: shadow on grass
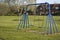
[38, 20]
[17, 20]
[2, 39]
[4, 28]
[57, 20]
[22, 20]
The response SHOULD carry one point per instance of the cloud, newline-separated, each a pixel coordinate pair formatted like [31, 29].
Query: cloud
[49, 1]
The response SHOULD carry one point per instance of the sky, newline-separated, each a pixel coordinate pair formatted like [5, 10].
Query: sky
[49, 1]
[43, 1]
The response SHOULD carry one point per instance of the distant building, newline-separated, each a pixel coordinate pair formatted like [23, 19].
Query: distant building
[54, 8]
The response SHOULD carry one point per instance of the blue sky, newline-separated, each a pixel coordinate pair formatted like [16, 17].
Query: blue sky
[49, 1]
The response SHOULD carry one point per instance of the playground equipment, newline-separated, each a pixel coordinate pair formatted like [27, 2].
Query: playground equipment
[50, 23]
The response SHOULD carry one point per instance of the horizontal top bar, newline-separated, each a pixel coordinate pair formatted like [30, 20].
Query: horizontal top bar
[37, 4]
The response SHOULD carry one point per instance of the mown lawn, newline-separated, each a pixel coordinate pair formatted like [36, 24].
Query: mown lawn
[9, 24]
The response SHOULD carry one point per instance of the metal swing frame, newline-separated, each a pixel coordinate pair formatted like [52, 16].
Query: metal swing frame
[49, 20]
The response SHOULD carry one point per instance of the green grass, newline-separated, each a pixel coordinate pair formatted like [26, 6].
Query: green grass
[8, 29]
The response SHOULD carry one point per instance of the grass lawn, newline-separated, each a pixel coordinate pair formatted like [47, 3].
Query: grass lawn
[8, 29]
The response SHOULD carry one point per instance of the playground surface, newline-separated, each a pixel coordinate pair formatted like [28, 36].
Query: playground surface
[8, 29]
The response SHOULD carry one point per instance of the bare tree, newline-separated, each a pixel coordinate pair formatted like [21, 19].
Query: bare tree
[10, 2]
